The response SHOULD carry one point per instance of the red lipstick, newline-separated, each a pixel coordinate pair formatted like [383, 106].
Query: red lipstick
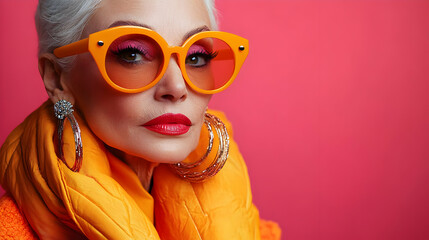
[169, 124]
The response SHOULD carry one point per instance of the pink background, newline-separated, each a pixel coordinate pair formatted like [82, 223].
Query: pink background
[331, 110]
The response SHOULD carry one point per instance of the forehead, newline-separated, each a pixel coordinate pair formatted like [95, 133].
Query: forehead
[170, 18]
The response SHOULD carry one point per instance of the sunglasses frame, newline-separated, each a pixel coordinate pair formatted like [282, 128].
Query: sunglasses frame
[98, 44]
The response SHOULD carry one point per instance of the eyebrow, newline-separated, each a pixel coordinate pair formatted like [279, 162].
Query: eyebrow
[129, 23]
[195, 31]
[185, 37]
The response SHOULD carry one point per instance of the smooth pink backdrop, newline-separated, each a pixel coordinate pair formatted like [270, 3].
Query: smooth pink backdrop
[330, 111]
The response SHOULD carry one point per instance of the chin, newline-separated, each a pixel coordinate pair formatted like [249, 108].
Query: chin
[168, 156]
[163, 153]
[168, 150]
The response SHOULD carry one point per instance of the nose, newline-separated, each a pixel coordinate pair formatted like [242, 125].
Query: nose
[172, 86]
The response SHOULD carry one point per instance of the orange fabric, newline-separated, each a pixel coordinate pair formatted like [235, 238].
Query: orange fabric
[12, 224]
[105, 200]
[269, 230]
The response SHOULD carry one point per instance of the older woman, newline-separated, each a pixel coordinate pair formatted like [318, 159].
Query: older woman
[126, 148]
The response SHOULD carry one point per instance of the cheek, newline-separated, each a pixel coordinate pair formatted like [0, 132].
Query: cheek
[101, 105]
[199, 101]
[198, 108]
[86, 83]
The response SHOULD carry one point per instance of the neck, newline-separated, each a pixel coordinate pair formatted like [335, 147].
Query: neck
[143, 168]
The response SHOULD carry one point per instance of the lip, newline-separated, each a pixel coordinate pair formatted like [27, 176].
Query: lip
[169, 124]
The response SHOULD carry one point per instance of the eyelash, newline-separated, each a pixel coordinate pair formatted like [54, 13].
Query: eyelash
[208, 55]
[117, 51]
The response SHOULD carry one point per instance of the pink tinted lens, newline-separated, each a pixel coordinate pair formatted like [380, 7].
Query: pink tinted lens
[133, 61]
[210, 63]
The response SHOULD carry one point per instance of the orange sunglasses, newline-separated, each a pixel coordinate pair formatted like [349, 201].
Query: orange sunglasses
[133, 59]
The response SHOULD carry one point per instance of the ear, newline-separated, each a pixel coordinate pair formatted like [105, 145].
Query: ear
[54, 79]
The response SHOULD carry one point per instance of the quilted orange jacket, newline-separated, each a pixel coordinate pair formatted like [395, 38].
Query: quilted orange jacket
[13, 225]
[105, 199]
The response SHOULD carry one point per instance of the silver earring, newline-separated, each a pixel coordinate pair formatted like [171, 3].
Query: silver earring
[186, 170]
[64, 109]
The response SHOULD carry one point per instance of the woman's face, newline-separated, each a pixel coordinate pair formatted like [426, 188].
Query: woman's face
[123, 120]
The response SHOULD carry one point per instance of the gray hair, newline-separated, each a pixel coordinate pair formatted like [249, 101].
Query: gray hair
[61, 22]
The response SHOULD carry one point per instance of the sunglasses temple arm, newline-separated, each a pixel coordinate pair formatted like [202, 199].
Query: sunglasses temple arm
[71, 49]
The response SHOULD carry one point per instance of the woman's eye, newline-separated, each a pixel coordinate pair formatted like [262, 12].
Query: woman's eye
[196, 60]
[199, 59]
[130, 56]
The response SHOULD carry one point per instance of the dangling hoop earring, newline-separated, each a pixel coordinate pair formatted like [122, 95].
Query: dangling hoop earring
[187, 170]
[64, 109]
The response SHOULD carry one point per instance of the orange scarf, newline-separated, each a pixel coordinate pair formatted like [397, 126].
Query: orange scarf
[106, 200]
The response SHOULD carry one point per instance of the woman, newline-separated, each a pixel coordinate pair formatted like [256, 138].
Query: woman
[129, 150]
